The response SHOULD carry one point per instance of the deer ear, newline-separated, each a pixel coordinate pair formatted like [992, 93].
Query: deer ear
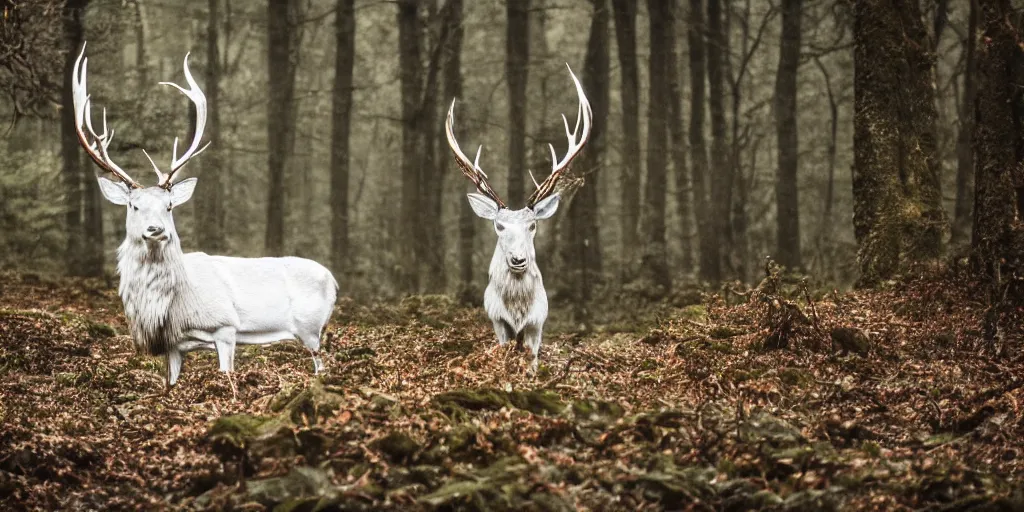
[546, 207]
[115, 191]
[483, 206]
[182, 191]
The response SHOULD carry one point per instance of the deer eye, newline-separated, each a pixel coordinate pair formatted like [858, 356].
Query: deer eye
[169, 206]
[533, 226]
[499, 226]
[136, 208]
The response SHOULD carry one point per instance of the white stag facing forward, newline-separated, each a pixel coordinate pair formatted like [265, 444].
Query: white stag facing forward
[177, 302]
[515, 299]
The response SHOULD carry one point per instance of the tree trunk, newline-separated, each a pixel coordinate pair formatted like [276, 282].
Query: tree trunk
[629, 180]
[998, 143]
[452, 78]
[341, 122]
[786, 192]
[654, 265]
[583, 252]
[141, 30]
[517, 53]
[825, 229]
[721, 171]
[282, 59]
[707, 237]
[433, 168]
[72, 171]
[895, 178]
[684, 202]
[453, 90]
[964, 150]
[411, 86]
[210, 197]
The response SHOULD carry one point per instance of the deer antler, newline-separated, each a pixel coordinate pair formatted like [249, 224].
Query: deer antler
[472, 170]
[558, 167]
[196, 96]
[97, 147]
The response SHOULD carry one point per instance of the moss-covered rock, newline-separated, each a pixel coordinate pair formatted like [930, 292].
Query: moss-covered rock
[300, 482]
[397, 446]
[309, 405]
[535, 401]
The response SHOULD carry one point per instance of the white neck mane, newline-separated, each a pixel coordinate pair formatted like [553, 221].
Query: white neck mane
[517, 291]
[154, 288]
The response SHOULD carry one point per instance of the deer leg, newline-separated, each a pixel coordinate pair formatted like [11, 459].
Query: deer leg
[531, 338]
[502, 331]
[175, 359]
[224, 342]
[312, 343]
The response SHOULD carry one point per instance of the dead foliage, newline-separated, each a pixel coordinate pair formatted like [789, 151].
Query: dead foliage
[792, 400]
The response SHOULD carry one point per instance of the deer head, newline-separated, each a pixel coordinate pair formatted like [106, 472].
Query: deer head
[149, 209]
[516, 229]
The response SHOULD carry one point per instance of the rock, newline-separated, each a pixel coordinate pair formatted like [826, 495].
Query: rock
[397, 446]
[300, 482]
[849, 339]
[535, 401]
[309, 405]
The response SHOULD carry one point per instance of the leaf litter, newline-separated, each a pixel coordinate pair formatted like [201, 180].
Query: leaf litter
[790, 400]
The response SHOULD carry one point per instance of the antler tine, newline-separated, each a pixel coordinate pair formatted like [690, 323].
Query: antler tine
[471, 170]
[196, 96]
[97, 147]
[584, 115]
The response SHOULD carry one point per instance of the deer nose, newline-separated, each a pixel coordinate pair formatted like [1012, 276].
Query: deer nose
[154, 230]
[518, 261]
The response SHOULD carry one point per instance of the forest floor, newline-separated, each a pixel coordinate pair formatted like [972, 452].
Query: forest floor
[789, 400]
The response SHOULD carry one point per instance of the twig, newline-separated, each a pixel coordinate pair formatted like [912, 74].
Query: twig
[562, 375]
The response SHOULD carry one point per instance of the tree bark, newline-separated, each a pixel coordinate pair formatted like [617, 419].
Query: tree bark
[895, 182]
[654, 265]
[583, 252]
[684, 203]
[210, 196]
[282, 60]
[721, 172]
[998, 144]
[707, 238]
[964, 149]
[453, 91]
[411, 86]
[341, 123]
[629, 180]
[786, 191]
[72, 170]
[452, 79]
[517, 53]
[432, 167]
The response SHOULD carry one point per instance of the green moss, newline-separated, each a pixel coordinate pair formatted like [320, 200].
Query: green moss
[696, 313]
[397, 446]
[723, 332]
[99, 330]
[300, 482]
[239, 430]
[871, 448]
[796, 377]
[461, 437]
[309, 405]
[537, 401]
[597, 410]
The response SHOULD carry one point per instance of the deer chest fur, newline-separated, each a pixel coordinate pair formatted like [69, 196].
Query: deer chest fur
[515, 296]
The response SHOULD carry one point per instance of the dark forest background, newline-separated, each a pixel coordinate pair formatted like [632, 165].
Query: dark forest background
[847, 140]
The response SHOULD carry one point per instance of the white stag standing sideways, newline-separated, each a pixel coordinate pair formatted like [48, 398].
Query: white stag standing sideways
[177, 302]
[515, 299]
